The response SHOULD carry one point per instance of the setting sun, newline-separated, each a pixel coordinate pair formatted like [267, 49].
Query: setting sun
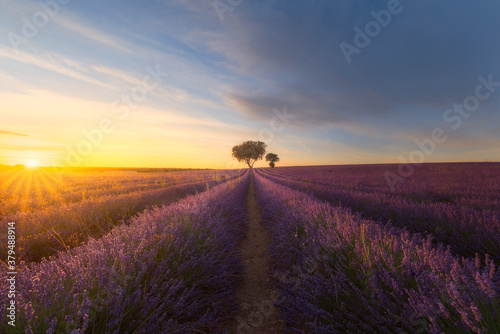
[32, 163]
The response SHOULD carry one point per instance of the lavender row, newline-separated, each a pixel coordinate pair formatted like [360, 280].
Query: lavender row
[465, 230]
[173, 269]
[448, 183]
[44, 232]
[339, 273]
[42, 189]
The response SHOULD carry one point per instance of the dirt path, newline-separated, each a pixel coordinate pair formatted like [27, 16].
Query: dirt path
[256, 294]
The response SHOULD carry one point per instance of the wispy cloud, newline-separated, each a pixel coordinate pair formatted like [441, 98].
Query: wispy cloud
[74, 24]
[4, 132]
[52, 63]
[303, 146]
[118, 74]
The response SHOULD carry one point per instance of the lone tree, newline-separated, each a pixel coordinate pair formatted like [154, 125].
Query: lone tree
[272, 158]
[249, 152]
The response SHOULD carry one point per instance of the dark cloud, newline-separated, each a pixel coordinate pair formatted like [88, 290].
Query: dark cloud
[4, 132]
[428, 57]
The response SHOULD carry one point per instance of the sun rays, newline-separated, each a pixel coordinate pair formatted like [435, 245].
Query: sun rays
[30, 185]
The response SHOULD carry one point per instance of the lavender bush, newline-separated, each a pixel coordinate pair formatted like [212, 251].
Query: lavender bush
[46, 231]
[173, 269]
[368, 278]
[466, 229]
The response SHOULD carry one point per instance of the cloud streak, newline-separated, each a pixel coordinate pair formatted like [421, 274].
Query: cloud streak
[4, 132]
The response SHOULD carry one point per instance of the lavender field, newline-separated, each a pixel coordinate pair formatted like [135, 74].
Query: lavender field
[125, 252]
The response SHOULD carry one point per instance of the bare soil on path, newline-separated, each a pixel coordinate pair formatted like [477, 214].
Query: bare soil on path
[256, 294]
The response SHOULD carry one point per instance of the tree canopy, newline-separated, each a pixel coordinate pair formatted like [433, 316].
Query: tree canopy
[249, 152]
[272, 158]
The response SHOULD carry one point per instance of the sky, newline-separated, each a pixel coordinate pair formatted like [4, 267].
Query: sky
[177, 83]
